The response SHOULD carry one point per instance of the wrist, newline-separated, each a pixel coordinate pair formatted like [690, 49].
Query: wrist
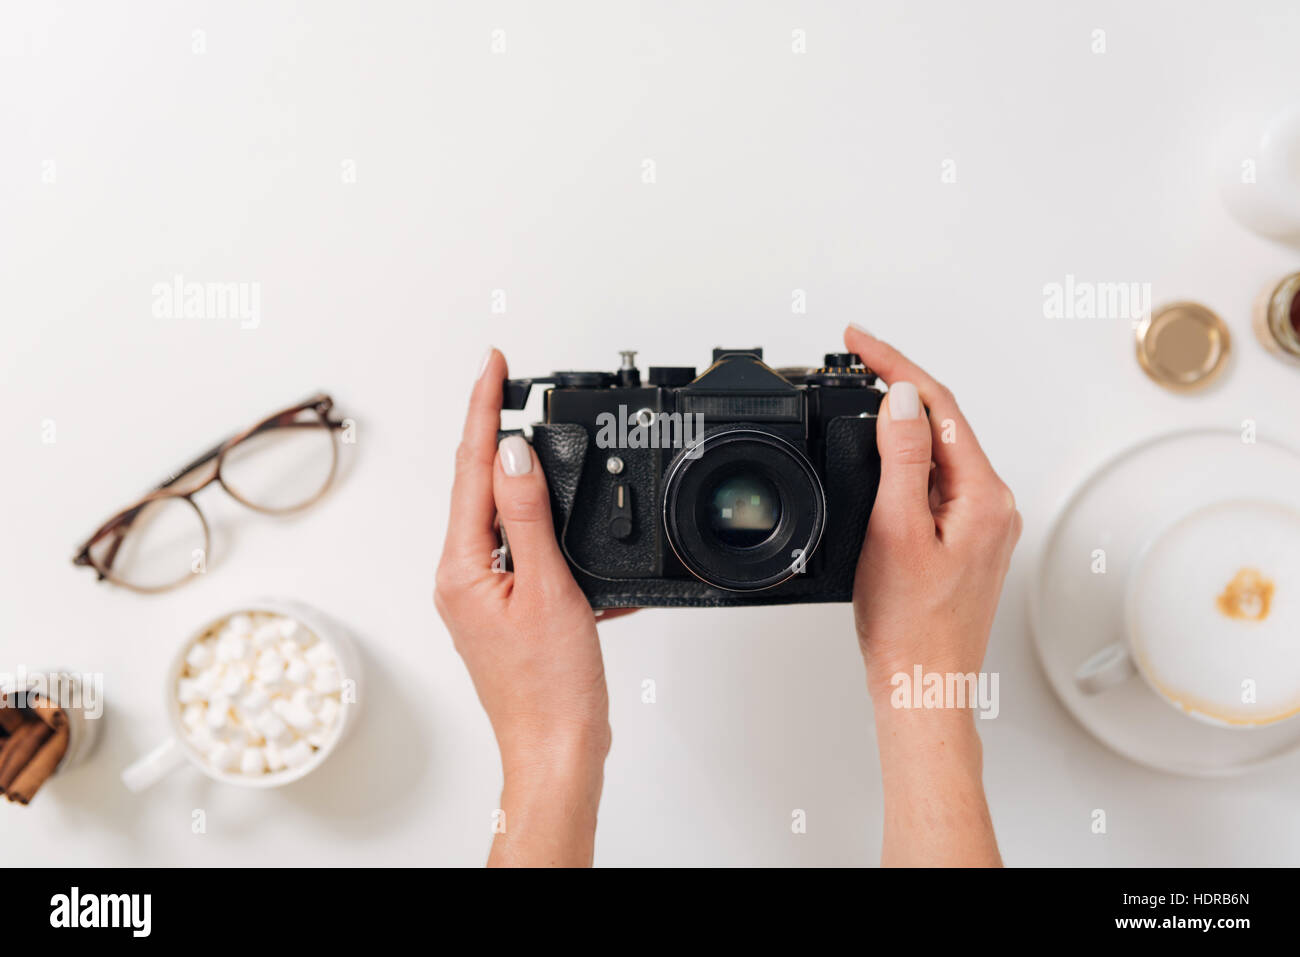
[940, 681]
[571, 757]
[549, 805]
[931, 764]
[916, 727]
[919, 746]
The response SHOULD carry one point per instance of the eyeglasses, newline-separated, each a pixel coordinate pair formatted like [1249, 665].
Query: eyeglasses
[282, 464]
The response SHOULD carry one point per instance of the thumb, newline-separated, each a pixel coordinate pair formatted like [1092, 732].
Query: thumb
[519, 488]
[903, 438]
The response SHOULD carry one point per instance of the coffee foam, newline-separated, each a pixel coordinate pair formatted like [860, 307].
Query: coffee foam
[1214, 603]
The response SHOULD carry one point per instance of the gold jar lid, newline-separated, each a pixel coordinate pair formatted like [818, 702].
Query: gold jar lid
[1183, 345]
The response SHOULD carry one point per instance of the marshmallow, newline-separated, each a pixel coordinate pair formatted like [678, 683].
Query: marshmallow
[252, 761]
[272, 727]
[270, 671]
[224, 756]
[239, 624]
[326, 680]
[188, 691]
[329, 711]
[297, 754]
[288, 628]
[319, 655]
[297, 716]
[297, 672]
[269, 658]
[202, 739]
[232, 648]
[233, 682]
[218, 713]
[194, 714]
[265, 635]
[236, 735]
[199, 656]
[255, 700]
[208, 679]
[274, 758]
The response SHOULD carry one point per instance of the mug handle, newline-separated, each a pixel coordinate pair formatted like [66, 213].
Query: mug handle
[1111, 666]
[154, 766]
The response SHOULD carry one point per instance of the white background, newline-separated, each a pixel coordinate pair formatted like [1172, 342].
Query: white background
[522, 171]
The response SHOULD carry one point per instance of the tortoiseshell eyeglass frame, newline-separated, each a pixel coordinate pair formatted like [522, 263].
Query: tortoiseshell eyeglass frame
[190, 479]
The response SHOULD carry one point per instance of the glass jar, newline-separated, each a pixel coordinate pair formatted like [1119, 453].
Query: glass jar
[1277, 318]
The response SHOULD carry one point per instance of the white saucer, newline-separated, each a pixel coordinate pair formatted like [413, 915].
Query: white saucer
[1074, 612]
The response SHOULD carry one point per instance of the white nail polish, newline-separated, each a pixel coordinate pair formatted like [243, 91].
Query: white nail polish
[516, 456]
[482, 366]
[904, 401]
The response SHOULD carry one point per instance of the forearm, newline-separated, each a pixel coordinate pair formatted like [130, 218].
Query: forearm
[931, 768]
[548, 814]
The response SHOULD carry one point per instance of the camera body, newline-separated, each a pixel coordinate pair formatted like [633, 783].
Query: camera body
[743, 485]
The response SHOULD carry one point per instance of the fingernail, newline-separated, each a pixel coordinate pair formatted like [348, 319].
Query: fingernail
[904, 401]
[482, 366]
[857, 328]
[516, 457]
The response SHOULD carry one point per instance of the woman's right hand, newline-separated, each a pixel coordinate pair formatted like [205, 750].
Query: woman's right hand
[941, 536]
[936, 552]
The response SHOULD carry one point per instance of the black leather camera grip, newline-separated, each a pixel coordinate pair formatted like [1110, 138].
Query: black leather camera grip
[852, 476]
[562, 450]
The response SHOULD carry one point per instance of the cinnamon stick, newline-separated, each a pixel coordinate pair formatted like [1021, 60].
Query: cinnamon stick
[19, 749]
[6, 742]
[40, 767]
[47, 711]
[10, 717]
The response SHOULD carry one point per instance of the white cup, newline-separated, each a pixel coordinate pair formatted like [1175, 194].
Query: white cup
[1189, 651]
[176, 750]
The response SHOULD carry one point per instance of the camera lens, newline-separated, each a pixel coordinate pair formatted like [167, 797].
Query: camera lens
[743, 509]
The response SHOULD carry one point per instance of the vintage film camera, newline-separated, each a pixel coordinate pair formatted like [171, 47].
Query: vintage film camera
[744, 485]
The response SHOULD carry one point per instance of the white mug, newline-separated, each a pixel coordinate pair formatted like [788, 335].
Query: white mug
[175, 750]
[1192, 554]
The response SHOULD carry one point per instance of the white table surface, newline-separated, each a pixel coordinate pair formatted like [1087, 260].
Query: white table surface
[522, 171]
